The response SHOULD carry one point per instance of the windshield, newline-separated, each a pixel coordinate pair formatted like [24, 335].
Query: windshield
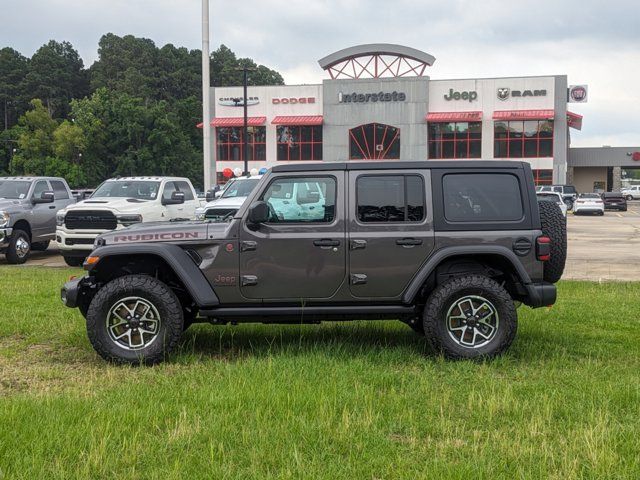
[139, 189]
[240, 188]
[14, 189]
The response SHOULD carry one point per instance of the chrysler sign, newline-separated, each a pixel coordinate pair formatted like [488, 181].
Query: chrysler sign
[237, 101]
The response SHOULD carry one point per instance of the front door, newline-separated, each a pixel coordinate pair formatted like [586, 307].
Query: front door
[391, 230]
[300, 253]
[43, 225]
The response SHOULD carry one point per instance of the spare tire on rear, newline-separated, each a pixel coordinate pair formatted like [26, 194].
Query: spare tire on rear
[554, 226]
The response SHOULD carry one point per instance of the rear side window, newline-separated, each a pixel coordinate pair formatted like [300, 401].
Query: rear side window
[482, 197]
[390, 198]
[59, 190]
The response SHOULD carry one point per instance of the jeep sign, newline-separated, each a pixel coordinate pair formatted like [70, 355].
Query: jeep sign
[470, 96]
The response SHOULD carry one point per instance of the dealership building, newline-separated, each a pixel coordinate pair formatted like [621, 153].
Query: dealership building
[378, 102]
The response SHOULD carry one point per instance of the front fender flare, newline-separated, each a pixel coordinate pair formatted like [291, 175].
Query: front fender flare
[176, 258]
[440, 255]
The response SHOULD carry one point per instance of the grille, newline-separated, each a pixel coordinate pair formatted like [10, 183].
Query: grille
[90, 220]
[78, 241]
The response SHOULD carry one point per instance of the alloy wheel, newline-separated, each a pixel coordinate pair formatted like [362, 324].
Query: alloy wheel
[133, 323]
[472, 321]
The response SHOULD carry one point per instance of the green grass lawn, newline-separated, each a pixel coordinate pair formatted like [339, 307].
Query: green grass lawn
[338, 401]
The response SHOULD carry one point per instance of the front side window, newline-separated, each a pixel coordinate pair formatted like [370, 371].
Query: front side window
[40, 186]
[374, 141]
[390, 198]
[482, 197]
[299, 142]
[455, 140]
[142, 190]
[301, 200]
[230, 143]
[523, 139]
[184, 187]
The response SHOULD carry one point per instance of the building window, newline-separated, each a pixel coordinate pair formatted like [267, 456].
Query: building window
[543, 177]
[299, 142]
[455, 140]
[230, 143]
[523, 139]
[374, 141]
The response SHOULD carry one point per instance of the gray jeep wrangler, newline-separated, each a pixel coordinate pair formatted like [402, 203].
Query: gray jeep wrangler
[450, 248]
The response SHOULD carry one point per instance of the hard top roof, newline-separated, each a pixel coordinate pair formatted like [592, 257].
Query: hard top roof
[30, 178]
[397, 165]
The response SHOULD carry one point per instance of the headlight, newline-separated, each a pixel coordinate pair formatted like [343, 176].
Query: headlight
[200, 213]
[4, 219]
[127, 220]
[60, 219]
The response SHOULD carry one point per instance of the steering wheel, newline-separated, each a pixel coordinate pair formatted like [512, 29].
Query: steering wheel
[273, 216]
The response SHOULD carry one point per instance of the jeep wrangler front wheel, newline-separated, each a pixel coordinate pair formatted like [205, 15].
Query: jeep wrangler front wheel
[134, 319]
[470, 317]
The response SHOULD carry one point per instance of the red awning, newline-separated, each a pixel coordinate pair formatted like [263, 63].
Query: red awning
[298, 120]
[237, 121]
[574, 120]
[523, 115]
[454, 117]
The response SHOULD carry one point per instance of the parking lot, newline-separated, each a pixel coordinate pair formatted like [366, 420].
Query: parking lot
[600, 248]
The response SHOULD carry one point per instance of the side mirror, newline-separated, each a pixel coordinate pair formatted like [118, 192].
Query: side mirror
[218, 193]
[176, 199]
[209, 196]
[258, 213]
[45, 197]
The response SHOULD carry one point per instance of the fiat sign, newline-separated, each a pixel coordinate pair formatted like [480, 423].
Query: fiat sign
[578, 93]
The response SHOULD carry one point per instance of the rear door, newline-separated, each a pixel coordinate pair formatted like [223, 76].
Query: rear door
[390, 230]
[300, 253]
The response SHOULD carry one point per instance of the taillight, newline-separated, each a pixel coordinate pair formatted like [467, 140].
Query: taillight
[543, 248]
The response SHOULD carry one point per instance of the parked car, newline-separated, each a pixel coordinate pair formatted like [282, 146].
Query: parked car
[614, 201]
[588, 203]
[553, 197]
[448, 247]
[230, 199]
[28, 207]
[632, 192]
[119, 203]
[568, 192]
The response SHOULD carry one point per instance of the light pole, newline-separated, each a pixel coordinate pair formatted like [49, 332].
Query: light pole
[206, 114]
[245, 146]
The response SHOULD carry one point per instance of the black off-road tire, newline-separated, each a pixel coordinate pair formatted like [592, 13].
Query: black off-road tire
[450, 292]
[14, 256]
[153, 291]
[554, 226]
[73, 261]
[40, 246]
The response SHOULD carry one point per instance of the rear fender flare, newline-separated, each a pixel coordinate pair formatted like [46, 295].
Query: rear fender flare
[448, 252]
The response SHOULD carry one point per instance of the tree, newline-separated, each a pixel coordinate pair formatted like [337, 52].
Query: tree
[13, 69]
[56, 75]
[35, 143]
[225, 70]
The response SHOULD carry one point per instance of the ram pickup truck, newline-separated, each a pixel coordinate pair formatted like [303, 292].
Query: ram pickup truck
[450, 247]
[119, 203]
[28, 207]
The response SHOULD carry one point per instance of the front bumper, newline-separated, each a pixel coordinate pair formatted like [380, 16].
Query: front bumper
[78, 291]
[541, 294]
[5, 235]
[76, 240]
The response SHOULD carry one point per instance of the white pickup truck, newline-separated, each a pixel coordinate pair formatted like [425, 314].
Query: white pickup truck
[118, 203]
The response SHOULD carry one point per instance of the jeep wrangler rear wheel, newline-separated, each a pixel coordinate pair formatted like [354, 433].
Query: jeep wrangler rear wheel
[135, 319]
[470, 317]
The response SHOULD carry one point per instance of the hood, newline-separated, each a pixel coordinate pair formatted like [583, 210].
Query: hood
[124, 205]
[170, 232]
[10, 205]
[225, 202]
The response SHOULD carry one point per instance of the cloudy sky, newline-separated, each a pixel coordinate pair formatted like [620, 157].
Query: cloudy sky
[593, 42]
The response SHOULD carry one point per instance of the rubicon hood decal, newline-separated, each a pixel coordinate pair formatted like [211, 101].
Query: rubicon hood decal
[149, 237]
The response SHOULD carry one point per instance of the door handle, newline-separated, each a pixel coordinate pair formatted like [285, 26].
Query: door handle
[358, 244]
[409, 242]
[326, 242]
[51, 207]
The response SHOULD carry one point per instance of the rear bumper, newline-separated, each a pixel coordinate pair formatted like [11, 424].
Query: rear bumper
[541, 294]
